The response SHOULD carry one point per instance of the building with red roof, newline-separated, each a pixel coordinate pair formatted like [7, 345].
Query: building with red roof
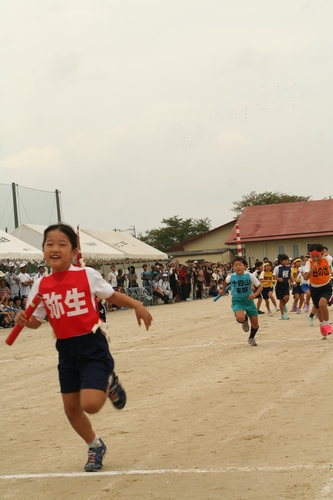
[267, 230]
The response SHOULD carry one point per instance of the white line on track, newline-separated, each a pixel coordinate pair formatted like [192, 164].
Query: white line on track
[172, 348]
[143, 472]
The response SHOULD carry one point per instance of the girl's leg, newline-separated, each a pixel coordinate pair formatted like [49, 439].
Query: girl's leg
[76, 416]
[301, 301]
[308, 296]
[323, 314]
[254, 329]
[295, 303]
[77, 404]
[240, 316]
[259, 301]
[281, 304]
[271, 296]
[267, 304]
[254, 321]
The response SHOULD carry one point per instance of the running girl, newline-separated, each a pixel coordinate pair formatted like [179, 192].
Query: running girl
[86, 367]
[242, 303]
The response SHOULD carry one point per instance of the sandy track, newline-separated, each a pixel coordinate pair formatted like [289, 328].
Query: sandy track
[208, 416]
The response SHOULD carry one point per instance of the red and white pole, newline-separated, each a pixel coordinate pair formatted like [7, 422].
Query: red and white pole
[239, 246]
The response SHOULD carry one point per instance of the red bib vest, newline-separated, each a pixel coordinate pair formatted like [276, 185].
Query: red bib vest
[71, 307]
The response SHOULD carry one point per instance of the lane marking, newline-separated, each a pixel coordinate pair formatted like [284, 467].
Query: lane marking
[172, 348]
[143, 472]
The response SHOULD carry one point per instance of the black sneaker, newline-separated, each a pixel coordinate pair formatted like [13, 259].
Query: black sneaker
[261, 312]
[95, 458]
[117, 394]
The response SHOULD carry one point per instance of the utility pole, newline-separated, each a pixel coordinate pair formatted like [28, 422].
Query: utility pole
[15, 205]
[58, 205]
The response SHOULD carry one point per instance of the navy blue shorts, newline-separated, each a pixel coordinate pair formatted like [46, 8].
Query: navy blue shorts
[297, 290]
[318, 292]
[85, 362]
[281, 290]
[265, 292]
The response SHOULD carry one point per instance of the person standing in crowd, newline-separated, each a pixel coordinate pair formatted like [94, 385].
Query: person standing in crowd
[112, 277]
[174, 283]
[25, 280]
[12, 280]
[183, 282]
[132, 278]
[145, 277]
[189, 277]
[121, 278]
[4, 290]
[40, 272]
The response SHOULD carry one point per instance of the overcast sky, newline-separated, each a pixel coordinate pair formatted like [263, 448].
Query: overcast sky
[139, 110]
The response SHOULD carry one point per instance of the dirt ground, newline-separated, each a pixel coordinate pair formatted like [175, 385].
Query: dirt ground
[207, 415]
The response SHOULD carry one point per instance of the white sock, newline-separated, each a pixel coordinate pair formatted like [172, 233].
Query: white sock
[95, 443]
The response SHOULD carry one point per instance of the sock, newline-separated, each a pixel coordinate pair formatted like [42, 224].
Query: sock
[322, 323]
[326, 323]
[95, 443]
[253, 332]
[311, 315]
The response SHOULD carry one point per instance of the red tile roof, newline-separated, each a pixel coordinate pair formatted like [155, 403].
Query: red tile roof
[304, 219]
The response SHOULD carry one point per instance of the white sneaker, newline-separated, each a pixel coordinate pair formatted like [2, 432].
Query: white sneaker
[270, 313]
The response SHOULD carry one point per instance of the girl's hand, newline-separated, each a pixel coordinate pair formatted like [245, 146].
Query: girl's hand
[20, 318]
[252, 296]
[143, 314]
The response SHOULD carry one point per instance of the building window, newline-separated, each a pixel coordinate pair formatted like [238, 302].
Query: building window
[307, 248]
[281, 249]
[295, 250]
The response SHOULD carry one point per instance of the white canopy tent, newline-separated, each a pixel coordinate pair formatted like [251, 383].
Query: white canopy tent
[13, 249]
[134, 250]
[92, 250]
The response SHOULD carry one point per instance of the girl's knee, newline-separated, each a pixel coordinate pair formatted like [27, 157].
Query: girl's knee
[93, 402]
[240, 316]
[72, 412]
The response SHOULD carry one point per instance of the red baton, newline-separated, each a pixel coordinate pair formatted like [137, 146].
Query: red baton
[29, 310]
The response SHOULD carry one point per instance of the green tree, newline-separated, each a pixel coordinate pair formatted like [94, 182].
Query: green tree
[176, 231]
[266, 198]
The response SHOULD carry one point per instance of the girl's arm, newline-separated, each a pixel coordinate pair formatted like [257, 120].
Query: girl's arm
[122, 300]
[224, 287]
[21, 320]
[309, 273]
[257, 292]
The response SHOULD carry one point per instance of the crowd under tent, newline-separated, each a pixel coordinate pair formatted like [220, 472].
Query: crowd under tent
[13, 249]
[93, 250]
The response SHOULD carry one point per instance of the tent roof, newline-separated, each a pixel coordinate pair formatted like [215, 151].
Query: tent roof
[134, 250]
[12, 248]
[92, 249]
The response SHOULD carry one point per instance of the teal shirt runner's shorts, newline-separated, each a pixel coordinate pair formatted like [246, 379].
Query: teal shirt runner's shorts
[244, 304]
